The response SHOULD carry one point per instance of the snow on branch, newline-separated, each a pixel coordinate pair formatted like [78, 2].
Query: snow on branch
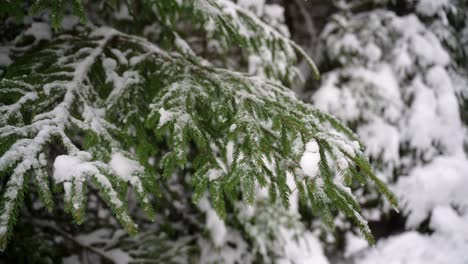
[106, 97]
[243, 26]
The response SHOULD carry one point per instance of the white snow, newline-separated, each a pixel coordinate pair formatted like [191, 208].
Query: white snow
[274, 12]
[214, 224]
[310, 159]
[431, 7]
[269, 19]
[214, 174]
[67, 167]
[350, 43]
[305, 248]
[414, 104]
[5, 59]
[124, 167]
[447, 221]
[119, 256]
[412, 247]
[69, 22]
[381, 139]
[78, 169]
[257, 6]
[165, 116]
[104, 236]
[442, 182]
[40, 31]
[123, 13]
[429, 50]
[73, 259]
[183, 46]
[354, 244]
[227, 254]
[434, 114]
[400, 86]
[331, 99]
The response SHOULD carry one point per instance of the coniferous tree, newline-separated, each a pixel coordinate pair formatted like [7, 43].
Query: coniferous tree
[137, 117]
[396, 73]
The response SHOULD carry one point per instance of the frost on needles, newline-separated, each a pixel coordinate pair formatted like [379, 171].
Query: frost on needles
[115, 104]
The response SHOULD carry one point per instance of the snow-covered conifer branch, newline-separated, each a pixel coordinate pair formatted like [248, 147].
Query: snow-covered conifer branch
[64, 103]
[112, 101]
[244, 27]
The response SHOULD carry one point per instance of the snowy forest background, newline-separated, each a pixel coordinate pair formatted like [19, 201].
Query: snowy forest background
[394, 71]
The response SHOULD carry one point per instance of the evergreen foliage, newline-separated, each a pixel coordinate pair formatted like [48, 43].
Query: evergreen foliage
[95, 108]
[396, 74]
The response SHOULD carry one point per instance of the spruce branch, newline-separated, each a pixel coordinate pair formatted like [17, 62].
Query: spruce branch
[232, 131]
